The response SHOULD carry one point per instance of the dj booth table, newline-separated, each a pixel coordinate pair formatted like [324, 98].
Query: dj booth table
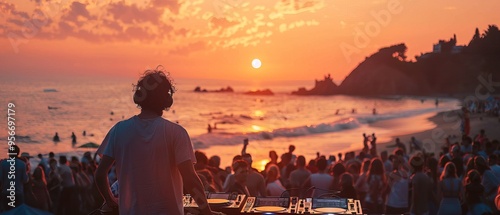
[240, 204]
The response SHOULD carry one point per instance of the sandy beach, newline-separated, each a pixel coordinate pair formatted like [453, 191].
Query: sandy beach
[445, 124]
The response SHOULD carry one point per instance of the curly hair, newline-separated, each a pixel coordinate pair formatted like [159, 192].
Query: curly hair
[154, 90]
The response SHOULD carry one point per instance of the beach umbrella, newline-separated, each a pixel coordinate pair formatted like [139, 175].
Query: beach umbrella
[89, 145]
[26, 210]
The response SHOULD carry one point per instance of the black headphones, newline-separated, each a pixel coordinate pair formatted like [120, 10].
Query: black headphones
[141, 93]
[170, 99]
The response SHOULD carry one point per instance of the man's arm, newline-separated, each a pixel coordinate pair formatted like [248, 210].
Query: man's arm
[101, 180]
[193, 185]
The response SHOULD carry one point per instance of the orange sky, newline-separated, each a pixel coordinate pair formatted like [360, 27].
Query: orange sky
[217, 39]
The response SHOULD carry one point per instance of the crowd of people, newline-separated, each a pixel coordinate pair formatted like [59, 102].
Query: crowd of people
[147, 161]
[58, 185]
[464, 180]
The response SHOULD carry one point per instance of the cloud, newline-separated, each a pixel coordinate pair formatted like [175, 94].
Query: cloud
[132, 14]
[77, 14]
[10, 9]
[237, 23]
[298, 6]
[188, 49]
[221, 22]
[172, 5]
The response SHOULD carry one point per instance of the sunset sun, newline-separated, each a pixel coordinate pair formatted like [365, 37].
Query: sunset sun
[256, 63]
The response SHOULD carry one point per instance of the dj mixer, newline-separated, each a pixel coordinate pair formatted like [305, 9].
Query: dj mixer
[294, 205]
[228, 203]
[240, 204]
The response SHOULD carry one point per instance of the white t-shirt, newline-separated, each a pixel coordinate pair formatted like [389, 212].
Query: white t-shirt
[322, 183]
[275, 188]
[147, 152]
[67, 176]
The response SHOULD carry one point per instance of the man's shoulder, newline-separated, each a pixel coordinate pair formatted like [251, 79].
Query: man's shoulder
[172, 125]
[257, 175]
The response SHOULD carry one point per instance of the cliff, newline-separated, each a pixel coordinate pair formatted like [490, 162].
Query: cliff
[448, 70]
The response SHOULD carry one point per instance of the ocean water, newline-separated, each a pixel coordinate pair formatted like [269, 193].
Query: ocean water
[313, 124]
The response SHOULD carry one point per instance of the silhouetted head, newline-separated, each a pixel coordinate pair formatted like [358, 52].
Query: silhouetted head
[248, 158]
[286, 158]
[338, 169]
[240, 168]
[273, 155]
[376, 167]
[272, 173]
[346, 180]
[301, 161]
[154, 91]
[237, 157]
[450, 171]
[481, 164]
[321, 164]
[443, 160]
[39, 175]
[63, 159]
[417, 163]
[473, 177]
[51, 155]
[384, 155]
[291, 148]
[201, 158]
[214, 161]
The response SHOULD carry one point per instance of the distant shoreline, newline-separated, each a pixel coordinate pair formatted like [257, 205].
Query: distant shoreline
[447, 124]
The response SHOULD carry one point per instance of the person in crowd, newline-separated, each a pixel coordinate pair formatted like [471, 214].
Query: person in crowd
[21, 177]
[377, 186]
[337, 170]
[320, 182]
[474, 195]
[273, 156]
[240, 168]
[298, 176]
[398, 181]
[450, 188]
[431, 168]
[230, 177]
[54, 186]
[493, 162]
[67, 199]
[255, 181]
[219, 174]
[165, 151]
[207, 180]
[361, 185]
[489, 181]
[311, 166]
[40, 190]
[347, 186]
[293, 158]
[274, 186]
[286, 167]
[420, 187]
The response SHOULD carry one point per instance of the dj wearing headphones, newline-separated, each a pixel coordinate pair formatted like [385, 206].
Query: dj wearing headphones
[153, 156]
